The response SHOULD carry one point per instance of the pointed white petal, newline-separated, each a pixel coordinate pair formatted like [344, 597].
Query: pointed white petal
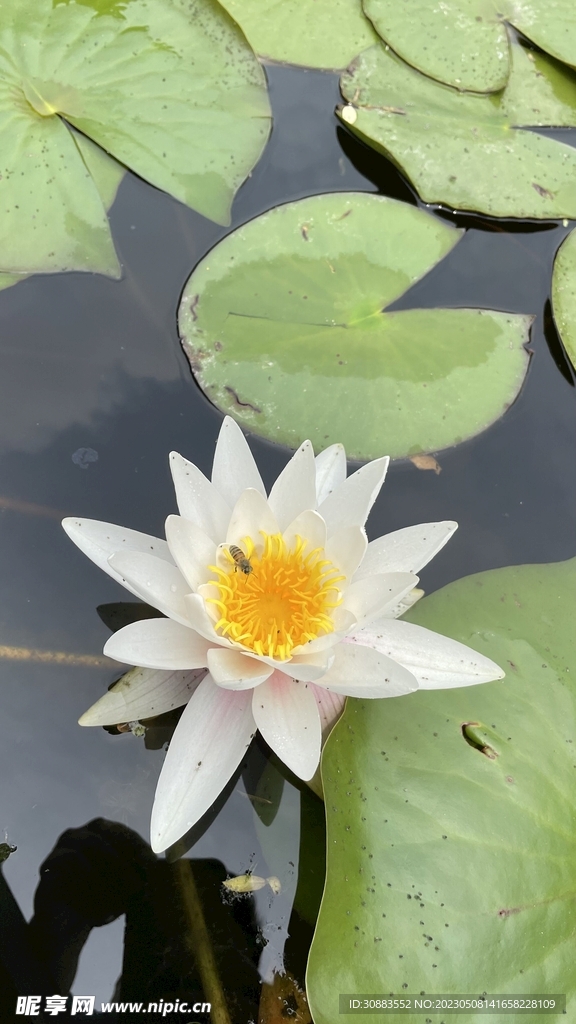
[309, 666]
[322, 643]
[234, 467]
[198, 500]
[157, 582]
[330, 707]
[286, 714]
[350, 502]
[200, 621]
[310, 526]
[158, 643]
[208, 744]
[396, 610]
[362, 672]
[436, 661]
[295, 488]
[330, 471]
[346, 549]
[100, 540]
[235, 671]
[407, 550]
[251, 515]
[192, 550]
[143, 693]
[371, 597]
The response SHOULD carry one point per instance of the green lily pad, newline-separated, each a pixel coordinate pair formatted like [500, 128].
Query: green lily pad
[564, 294]
[465, 150]
[314, 33]
[168, 88]
[285, 327]
[451, 815]
[464, 42]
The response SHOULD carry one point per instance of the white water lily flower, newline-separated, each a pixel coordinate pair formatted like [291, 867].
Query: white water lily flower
[282, 600]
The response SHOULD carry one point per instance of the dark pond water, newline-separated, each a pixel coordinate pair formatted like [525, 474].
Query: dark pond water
[95, 391]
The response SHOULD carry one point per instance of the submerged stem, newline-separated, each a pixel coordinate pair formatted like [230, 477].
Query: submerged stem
[201, 943]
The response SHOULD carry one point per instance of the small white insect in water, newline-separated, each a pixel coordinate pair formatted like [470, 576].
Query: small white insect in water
[252, 883]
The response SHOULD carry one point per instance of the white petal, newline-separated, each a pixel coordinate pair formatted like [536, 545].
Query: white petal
[158, 643]
[330, 707]
[407, 550]
[295, 488]
[251, 516]
[396, 610]
[286, 714]
[235, 671]
[100, 540]
[310, 526]
[322, 643]
[157, 582]
[436, 661]
[309, 666]
[192, 550]
[362, 672]
[371, 597]
[208, 744]
[198, 500]
[330, 471]
[200, 621]
[143, 693]
[346, 549]
[350, 502]
[234, 467]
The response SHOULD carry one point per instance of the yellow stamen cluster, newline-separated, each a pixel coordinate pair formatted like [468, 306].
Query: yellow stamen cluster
[286, 600]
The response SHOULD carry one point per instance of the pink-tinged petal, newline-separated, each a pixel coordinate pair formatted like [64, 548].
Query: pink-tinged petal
[330, 471]
[192, 550]
[198, 500]
[346, 549]
[295, 489]
[234, 467]
[330, 707]
[155, 581]
[251, 516]
[286, 714]
[407, 550]
[235, 671]
[310, 665]
[437, 661]
[362, 672]
[208, 744]
[158, 643]
[310, 526]
[350, 502]
[100, 540]
[366, 599]
[143, 693]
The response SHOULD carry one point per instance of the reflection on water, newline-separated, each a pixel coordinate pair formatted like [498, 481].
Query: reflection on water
[90, 365]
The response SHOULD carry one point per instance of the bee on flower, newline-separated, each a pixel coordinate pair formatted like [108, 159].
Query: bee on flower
[277, 609]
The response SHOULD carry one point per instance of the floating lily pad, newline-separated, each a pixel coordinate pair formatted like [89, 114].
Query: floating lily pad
[170, 89]
[465, 150]
[315, 33]
[285, 327]
[464, 42]
[451, 815]
[564, 294]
